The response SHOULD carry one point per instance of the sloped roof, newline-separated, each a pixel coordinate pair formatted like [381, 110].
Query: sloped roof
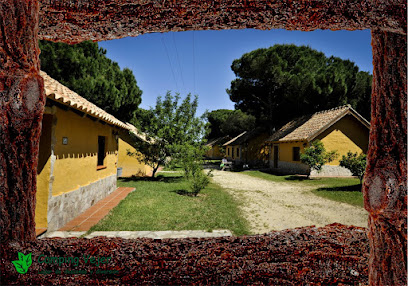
[140, 135]
[232, 141]
[217, 141]
[309, 126]
[59, 92]
[246, 136]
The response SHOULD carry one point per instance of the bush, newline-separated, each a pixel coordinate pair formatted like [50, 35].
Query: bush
[191, 158]
[355, 163]
[198, 181]
[315, 156]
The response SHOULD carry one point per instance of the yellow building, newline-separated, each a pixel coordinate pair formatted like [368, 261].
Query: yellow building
[340, 129]
[232, 150]
[78, 156]
[248, 148]
[131, 165]
[215, 149]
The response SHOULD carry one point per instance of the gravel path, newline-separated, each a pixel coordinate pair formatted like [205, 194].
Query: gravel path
[276, 206]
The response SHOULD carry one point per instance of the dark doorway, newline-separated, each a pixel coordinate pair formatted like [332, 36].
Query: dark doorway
[275, 156]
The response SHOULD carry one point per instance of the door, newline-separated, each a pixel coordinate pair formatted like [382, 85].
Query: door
[275, 156]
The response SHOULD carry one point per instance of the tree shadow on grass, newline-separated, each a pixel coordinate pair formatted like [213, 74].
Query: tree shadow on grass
[184, 193]
[299, 178]
[271, 172]
[288, 178]
[352, 188]
[158, 178]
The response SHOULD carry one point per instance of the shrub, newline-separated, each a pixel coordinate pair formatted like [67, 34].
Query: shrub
[190, 159]
[355, 163]
[315, 156]
[198, 181]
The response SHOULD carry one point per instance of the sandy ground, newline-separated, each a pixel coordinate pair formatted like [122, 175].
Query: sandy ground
[276, 206]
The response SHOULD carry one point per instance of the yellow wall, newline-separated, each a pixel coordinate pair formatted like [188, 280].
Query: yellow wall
[43, 173]
[256, 149]
[76, 162]
[286, 150]
[232, 152]
[214, 152]
[217, 151]
[131, 166]
[348, 134]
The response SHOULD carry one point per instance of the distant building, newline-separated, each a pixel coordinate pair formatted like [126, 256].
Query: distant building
[341, 129]
[248, 148]
[215, 150]
[78, 156]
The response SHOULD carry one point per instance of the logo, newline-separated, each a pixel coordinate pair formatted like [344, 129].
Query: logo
[23, 262]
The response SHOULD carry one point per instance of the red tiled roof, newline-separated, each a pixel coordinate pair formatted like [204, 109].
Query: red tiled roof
[59, 92]
[235, 138]
[309, 126]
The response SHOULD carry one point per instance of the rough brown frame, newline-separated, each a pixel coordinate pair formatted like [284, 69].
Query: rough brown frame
[22, 92]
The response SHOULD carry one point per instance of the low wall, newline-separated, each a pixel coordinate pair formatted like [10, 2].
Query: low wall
[332, 171]
[302, 169]
[65, 207]
[290, 168]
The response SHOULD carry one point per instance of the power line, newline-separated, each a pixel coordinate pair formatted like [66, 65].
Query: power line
[171, 66]
[193, 63]
[178, 61]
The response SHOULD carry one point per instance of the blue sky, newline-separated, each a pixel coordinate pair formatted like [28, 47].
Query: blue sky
[199, 62]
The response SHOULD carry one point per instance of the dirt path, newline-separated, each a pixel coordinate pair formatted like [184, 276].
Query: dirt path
[275, 206]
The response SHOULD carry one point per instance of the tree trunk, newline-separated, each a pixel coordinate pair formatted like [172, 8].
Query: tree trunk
[155, 170]
[21, 108]
[385, 189]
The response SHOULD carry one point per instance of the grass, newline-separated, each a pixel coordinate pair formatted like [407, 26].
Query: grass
[350, 194]
[173, 168]
[158, 205]
[346, 190]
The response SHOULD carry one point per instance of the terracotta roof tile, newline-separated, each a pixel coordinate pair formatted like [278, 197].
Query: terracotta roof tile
[234, 139]
[142, 136]
[59, 92]
[247, 136]
[217, 141]
[306, 127]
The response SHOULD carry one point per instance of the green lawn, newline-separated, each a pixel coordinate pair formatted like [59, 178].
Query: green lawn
[346, 190]
[173, 168]
[160, 205]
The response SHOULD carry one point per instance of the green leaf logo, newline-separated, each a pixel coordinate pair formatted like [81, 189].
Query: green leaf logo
[23, 262]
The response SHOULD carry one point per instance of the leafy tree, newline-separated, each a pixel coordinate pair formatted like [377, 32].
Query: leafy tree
[142, 118]
[85, 69]
[355, 163]
[286, 81]
[229, 122]
[315, 156]
[170, 126]
[191, 159]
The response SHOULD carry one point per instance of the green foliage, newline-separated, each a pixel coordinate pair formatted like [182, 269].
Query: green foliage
[142, 119]
[172, 129]
[355, 163]
[198, 182]
[85, 69]
[191, 160]
[229, 122]
[315, 156]
[282, 82]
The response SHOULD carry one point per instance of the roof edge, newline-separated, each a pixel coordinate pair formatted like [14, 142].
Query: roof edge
[349, 110]
[233, 139]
